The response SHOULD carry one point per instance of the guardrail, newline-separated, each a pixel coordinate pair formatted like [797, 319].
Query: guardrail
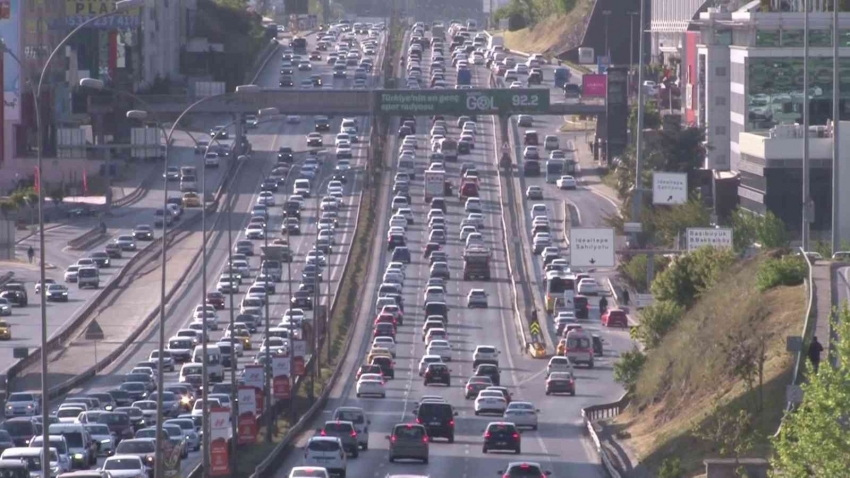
[597, 412]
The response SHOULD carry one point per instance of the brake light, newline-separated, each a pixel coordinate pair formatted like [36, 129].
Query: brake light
[469, 387]
[516, 435]
[487, 435]
[323, 433]
[353, 433]
[425, 439]
[451, 423]
[392, 438]
[418, 420]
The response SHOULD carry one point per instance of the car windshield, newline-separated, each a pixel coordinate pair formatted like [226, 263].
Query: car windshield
[97, 429]
[69, 412]
[20, 397]
[323, 446]
[122, 464]
[524, 470]
[351, 416]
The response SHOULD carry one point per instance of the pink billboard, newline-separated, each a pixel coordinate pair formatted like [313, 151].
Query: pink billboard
[594, 86]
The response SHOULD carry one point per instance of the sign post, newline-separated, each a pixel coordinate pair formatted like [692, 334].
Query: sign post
[591, 247]
[669, 188]
[720, 237]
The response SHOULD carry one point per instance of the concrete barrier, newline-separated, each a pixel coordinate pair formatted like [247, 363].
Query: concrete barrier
[87, 239]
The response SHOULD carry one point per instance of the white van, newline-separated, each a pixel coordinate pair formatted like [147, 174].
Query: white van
[551, 142]
[78, 439]
[214, 366]
[301, 187]
[32, 457]
[348, 123]
[190, 369]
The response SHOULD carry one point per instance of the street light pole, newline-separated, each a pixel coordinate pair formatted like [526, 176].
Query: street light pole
[269, 369]
[120, 7]
[234, 409]
[637, 198]
[806, 194]
[836, 120]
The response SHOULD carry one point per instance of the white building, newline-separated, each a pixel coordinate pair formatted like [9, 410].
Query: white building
[165, 33]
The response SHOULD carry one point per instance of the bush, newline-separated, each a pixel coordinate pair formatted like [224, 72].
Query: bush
[655, 321]
[788, 270]
[634, 270]
[671, 468]
[690, 275]
[627, 369]
[768, 230]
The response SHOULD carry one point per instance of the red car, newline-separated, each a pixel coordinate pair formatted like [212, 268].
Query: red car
[615, 318]
[216, 299]
[385, 319]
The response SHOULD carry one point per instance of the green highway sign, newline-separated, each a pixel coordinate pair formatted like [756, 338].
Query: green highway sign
[462, 102]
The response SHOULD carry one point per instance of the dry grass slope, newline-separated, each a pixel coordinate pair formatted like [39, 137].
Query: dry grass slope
[685, 378]
[554, 34]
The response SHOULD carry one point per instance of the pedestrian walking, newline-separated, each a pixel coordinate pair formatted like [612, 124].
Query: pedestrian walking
[30, 254]
[625, 296]
[815, 349]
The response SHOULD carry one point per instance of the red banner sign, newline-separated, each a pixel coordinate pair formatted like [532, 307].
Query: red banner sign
[298, 368]
[247, 429]
[594, 86]
[281, 387]
[219, 458]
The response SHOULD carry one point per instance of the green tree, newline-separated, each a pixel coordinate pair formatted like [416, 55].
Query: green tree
[627, 369]
[813, 440]
[691, 274]
[787, 270]
[749, 228]
[656, 321]
[668, 223]
[671, 468]
[731, 432]
[634, 270]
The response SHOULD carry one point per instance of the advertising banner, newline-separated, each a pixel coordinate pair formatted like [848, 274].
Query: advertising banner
[594, 86]
[247, 426]
[299, 352]
[252, 376]
[280, 374]
[79, 11]
[219, 433]
[10, 31]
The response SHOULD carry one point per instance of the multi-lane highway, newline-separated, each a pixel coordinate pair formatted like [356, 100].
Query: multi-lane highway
[558, 444]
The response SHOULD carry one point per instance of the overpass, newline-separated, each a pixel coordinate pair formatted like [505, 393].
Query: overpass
[378, 102]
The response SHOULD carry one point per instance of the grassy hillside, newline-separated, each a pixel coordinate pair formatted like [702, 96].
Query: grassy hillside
[688, 382]
[552, 34]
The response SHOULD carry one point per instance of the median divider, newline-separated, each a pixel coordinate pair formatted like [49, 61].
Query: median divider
[87, 239]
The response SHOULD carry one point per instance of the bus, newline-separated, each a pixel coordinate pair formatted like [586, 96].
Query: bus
[298, 45]
[557, 285]
[555, 169]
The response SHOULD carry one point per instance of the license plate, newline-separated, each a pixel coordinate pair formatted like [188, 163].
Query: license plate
[434, 423]
[501, 443]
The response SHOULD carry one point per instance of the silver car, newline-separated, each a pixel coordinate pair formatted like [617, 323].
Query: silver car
[193, 440]
[409, 441]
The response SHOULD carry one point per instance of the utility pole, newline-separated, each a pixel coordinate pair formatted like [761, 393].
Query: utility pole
[632, 38]
[268, 359]
[234, 388]
[805, 165]
[836, 110]
[291, 324]
[637, 198]
[607, 14]
[205, 413]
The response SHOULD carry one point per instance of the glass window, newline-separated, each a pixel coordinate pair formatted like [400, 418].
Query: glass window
[820, 37]
[844, 38]
[792, 38]
[767, 38]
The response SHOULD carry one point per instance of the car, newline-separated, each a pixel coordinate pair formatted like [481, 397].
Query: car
[524, 469]
[588, 286]
[22, 404]
[476, 298]
[560, 382]
[615, 318]
[386, 343]
[488, 370]
[371, 384]
[125, 466]
[534, 192]
[502, 436]
[521, 414]
[308, 472]
[490, 401]
[143, 232]
[441, 348]
[409, 441]
[476, 384]
[437, 373]
[566, 182]
[356, 416]
[57, 292]
[345, 432]
[438, 418]
[5, 306]
[525, 121]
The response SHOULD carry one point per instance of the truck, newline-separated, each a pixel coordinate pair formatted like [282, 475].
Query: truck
[494, 42]
[476, 263]
[464, 77]
[448, 147]
[438, 31]
[434, 184]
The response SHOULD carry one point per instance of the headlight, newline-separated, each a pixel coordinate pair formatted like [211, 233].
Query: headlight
[149, 459]
[106, 442]
[78, 456]
[54, 469]
[9, 407]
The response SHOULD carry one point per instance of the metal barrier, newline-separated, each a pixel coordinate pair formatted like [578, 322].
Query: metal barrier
[597, 412]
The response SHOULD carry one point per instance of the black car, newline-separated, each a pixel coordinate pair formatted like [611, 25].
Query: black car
[488, 370]
[119, 423]
[531, 168]
[404, 131]
[269, 185]
[16, 293]
[502, 436]
[122, 398]
[286, 81]
[292, 209]
[401, 254]
[6, 441]
[597, 345]
[101, 258]
[285, 154]
[438, 419]
[57, 293]
[463, 147]
[21, 429]
[386, 364]
[340, 177]
[302, 299]
[438, 373]
[113, 251]
[580, 302]
[396, 240]
[437, 309]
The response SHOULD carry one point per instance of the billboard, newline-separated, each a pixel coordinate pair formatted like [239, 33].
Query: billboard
[280, 374]
[219, 435]
[295, 7]
[79, 11]
[594, 86]
[10, 31]
[247, 426]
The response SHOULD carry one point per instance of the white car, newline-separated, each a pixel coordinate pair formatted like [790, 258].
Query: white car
[167, 360]
[588, 286]
[440, 348]
[559, 364]
[266, 198]
[211, 160]
[71, 273]
[490, 401]
[566, 182]
[326, 452]
[255, 231]
[103, 437]
[485, 354]
[539, 210]
[476, 219]
[426, 360]
[343, 151]
[125, 466]
[343, 165]
[309, 472]
[371, 384]
[385, 342]
[473, 205]
[521, 414]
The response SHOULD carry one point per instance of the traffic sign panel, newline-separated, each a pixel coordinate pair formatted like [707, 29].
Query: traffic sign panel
[591, 247]
[669, 188]
[462, 102]
[720, 237]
